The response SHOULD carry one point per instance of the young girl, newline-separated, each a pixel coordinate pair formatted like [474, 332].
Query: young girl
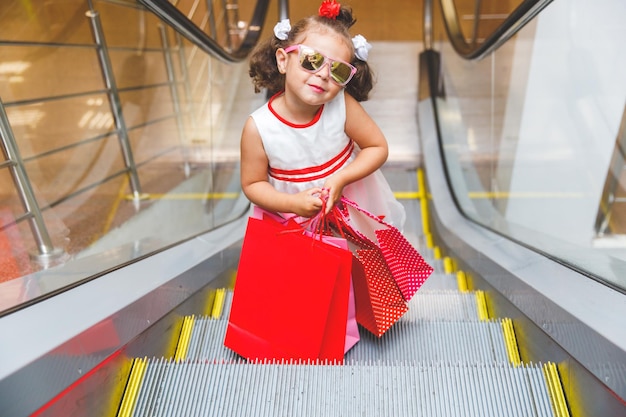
[313, 141]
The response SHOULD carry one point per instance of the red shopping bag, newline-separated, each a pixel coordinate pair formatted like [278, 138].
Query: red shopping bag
[352, 328]
[379, 302]
[407, 266]
[290, 300]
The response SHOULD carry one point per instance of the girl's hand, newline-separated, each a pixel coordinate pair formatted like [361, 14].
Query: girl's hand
[307, 203]
[332, 192]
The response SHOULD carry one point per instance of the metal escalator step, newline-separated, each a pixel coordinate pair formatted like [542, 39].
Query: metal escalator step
[442, 305]
[440, 281]
[207, 340]
[418, 340]
[412, 389]
[427, 340]
[436, 304]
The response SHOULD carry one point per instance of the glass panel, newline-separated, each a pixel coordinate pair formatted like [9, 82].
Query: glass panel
[133, 69]
[480, 18]
[129, 27]
[65, 172]
[102, 189]
[156, 139]
[59, 21]
[534, 136]
[43, 127]
[37, 72]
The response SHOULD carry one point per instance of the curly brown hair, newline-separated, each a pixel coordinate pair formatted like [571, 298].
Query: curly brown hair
[264, 71]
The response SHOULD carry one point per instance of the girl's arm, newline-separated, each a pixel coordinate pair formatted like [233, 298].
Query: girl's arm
[255, 184]
[361, 128]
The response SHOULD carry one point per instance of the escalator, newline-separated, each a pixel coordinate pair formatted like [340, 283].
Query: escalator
[446, 356]
[487, 335]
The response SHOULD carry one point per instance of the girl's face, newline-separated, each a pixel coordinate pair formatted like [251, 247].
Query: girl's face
[317, 88]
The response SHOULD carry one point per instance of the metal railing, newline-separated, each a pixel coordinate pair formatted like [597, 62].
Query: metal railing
[154, 109]
[472, 49]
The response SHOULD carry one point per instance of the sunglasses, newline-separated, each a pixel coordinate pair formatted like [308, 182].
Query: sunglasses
[312, 61]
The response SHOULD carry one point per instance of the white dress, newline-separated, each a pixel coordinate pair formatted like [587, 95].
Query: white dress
[304, 156]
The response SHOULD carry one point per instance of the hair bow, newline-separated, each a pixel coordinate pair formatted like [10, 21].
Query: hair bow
[361, 47]
[282, 29]
[329, 9]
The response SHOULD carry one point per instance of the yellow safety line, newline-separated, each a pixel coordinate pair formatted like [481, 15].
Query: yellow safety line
[185, 337]
[115, 206]
[436, 252]
[132, 388]
[187, 196]
[511, 342]
[448, 265]
[429, 241]
[461, 281]
[530, 194]
[481, 305]
[421, 189]
[218, 303]
[407, 195]
[555, 390]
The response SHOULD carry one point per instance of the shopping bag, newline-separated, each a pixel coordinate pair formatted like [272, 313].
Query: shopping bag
[352, 328]
[290, 300]
[379, 302]
[407, 266]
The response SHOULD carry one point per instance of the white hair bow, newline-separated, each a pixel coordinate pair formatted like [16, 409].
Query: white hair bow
[361, 47]
[281, 29]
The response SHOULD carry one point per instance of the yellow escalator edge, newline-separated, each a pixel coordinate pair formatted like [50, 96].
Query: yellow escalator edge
[132, 388]
[448, 265]
[406, 195]
[218, 303]
[481, 305]
[555, 390]
[429, 240]
[461, 281]
[436, 252]
[511, 342]
[423, 197]
[185, 337]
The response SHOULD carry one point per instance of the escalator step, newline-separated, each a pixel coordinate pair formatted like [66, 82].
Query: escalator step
[418, 340]
[412, 389]
[437, 304]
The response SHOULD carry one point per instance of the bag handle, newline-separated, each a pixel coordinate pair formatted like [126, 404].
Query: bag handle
[362, 210]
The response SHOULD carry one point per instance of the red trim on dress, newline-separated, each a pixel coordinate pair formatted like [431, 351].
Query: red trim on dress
[314, 169]
[287, 122]
[342, 157]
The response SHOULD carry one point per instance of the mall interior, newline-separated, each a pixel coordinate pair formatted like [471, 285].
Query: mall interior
[122, 215]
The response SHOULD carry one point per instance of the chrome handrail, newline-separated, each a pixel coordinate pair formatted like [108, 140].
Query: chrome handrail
[511, 25]
[428, 24]
[114, 100]
[15, 164]
[171, 15]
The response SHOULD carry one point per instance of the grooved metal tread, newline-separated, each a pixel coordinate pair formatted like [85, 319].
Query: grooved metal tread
[410, 389]
[422, 340]
[437, 304]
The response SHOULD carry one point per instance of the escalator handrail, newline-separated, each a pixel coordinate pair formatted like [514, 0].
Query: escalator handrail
[167, 12]
[511, 25]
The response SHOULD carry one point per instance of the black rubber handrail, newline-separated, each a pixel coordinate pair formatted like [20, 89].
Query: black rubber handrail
[511, 25]
[167, 12]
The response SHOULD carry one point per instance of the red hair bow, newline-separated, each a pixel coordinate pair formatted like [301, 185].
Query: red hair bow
[329, 9]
